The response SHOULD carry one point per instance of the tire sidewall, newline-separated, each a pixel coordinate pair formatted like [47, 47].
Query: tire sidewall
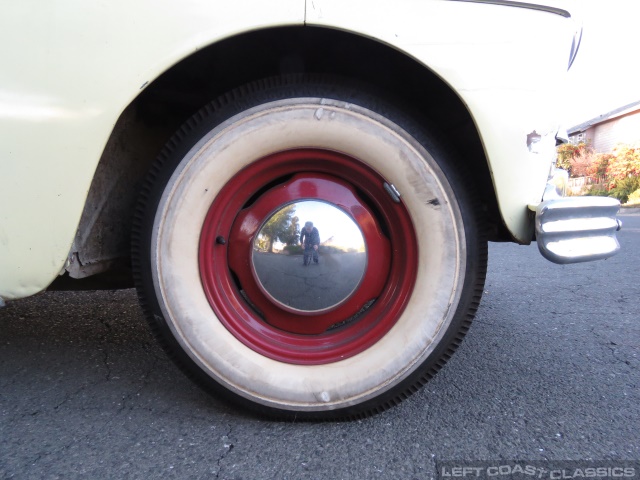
[268, 124]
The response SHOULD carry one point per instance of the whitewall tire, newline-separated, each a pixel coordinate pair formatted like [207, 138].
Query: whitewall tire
[230, 164]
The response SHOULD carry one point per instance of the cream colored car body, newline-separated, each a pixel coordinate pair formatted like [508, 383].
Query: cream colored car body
[69, 70]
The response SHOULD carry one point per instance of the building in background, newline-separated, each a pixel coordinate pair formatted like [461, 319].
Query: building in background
[604, 132]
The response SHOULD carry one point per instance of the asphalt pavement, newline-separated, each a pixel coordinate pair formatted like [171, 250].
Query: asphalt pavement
[549, 371]
[311, 287]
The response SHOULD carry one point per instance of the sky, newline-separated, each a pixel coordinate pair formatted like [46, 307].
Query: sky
[330, 222]
[606, 73]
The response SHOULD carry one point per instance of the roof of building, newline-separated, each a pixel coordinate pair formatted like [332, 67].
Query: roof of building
[604, 117]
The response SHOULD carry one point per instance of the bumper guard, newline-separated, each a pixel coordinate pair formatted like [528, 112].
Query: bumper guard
[576, 229]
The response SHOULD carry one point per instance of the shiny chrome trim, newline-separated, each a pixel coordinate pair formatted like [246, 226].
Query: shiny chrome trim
[530, 6]
[575, 46]
[557, 185]
[577, 229]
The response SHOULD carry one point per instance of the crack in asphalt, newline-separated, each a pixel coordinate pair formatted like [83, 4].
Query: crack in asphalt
[105, 361]
[610, 344]
[228, 448]
[614, 352]
[71, 395]
[145, 382]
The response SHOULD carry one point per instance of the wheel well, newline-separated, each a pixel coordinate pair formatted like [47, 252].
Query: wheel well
[150, 120]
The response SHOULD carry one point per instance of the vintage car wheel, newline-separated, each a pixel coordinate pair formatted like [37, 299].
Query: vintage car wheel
[276, 144]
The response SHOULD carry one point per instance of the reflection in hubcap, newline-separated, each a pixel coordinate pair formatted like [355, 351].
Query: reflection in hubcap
[309, 256]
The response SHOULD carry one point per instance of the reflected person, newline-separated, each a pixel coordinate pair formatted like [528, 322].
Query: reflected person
[310, 240]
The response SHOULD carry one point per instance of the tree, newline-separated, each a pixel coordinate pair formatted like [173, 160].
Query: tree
[581, 163]
[624, 163]
[598, 168]
[291, 235]
[576, 159]
[623, 171]
[283, 226]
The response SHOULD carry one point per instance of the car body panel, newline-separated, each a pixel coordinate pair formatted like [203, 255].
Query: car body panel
[70, 69]
[509, 99]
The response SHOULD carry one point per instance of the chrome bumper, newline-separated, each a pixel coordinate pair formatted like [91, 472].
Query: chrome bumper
[576, 229]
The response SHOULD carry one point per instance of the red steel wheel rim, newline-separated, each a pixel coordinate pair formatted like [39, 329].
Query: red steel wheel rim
[306, 337]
